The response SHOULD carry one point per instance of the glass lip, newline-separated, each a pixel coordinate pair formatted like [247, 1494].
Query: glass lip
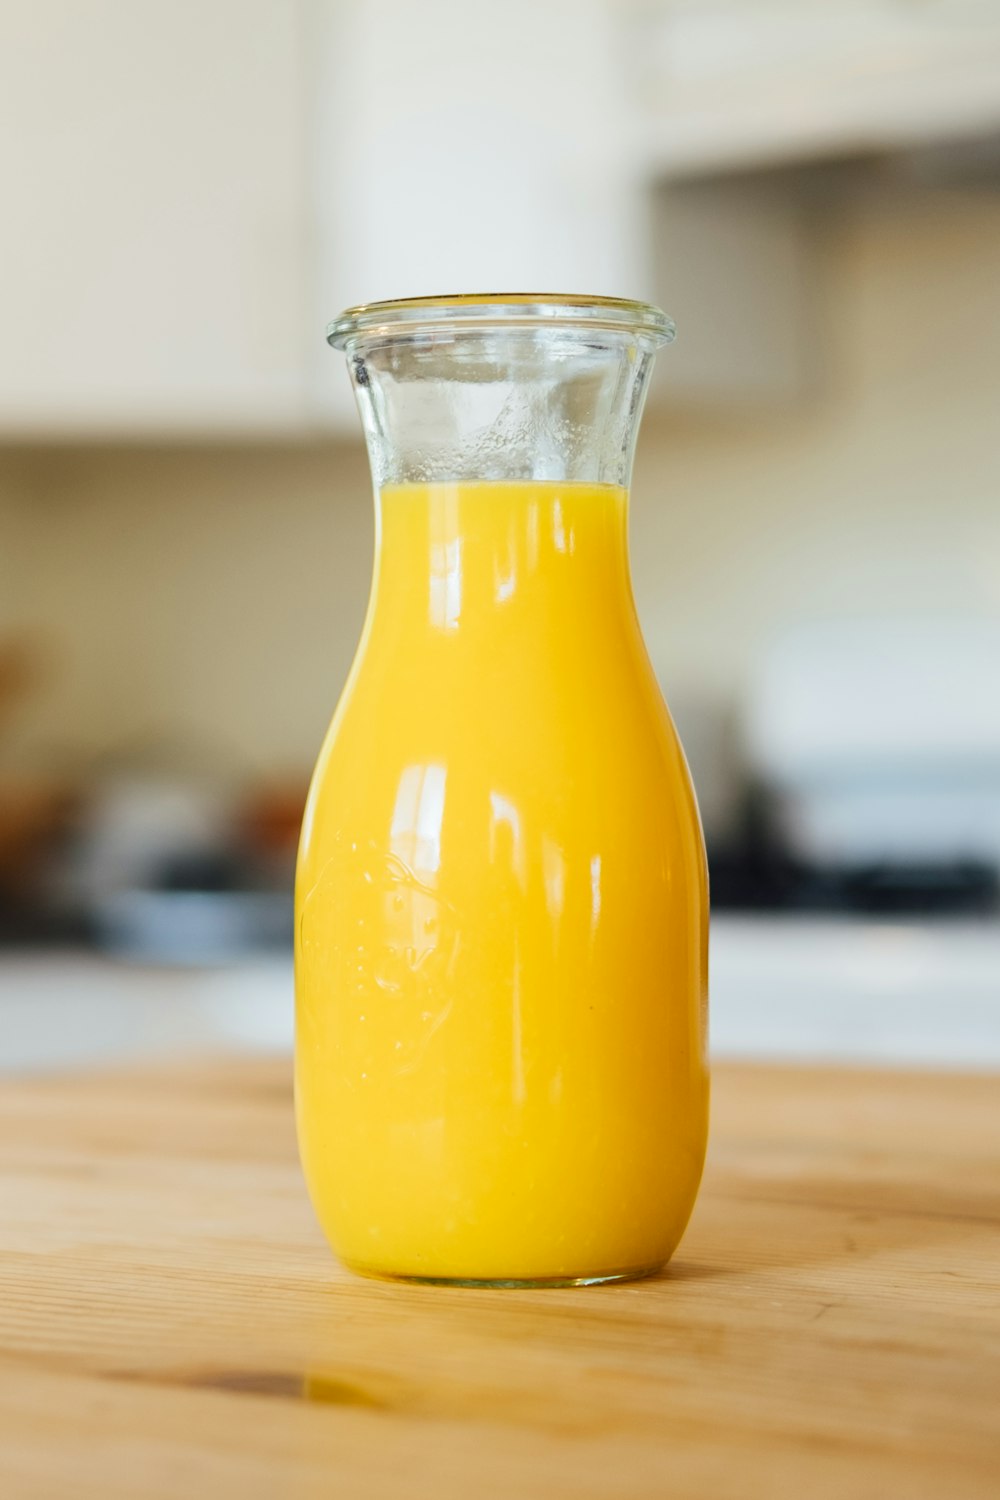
[471, 310]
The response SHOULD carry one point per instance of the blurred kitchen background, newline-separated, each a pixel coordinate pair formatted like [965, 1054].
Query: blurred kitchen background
[191, 190]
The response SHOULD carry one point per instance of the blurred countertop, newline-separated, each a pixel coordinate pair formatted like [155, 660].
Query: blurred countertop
[784, 988]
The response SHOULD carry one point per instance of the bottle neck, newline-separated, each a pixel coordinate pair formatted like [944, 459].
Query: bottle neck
[464, 559]
[541, 400]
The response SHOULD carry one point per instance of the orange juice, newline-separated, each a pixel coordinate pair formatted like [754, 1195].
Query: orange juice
[501, 908]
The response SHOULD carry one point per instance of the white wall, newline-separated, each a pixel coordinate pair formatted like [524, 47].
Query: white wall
[883, 494]
[208, 597]
[215, 595]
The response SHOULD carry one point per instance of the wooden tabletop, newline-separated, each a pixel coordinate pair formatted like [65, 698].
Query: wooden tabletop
[172, 1324]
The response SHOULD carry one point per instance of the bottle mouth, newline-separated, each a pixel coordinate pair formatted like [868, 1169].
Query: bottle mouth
[499, 310]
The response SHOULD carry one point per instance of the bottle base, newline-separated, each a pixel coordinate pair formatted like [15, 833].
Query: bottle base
[511, 1283]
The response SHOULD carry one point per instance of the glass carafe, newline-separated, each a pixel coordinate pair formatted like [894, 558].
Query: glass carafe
[501, 932]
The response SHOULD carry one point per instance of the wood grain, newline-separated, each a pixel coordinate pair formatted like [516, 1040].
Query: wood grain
[172, 1324]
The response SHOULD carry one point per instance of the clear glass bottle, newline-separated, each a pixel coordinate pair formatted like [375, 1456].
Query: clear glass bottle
[501, 935]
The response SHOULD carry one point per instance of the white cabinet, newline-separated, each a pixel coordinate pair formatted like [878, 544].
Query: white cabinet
[190, 189]
[740, 104]
[470, 156]
[744, 83]
[467, 150]
[464, 149]
[156, 274]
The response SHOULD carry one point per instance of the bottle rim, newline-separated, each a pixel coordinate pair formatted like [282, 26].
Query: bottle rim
[406, 316]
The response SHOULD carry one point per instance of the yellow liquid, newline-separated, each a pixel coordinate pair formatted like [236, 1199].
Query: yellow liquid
[502, 908]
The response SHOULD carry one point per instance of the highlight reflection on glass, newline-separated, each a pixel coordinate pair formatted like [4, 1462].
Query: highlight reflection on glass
[415, 833]
[445, 564]
[506, 816]
[505, 570]
[554, 876]
[558, 529]
[595, 893]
